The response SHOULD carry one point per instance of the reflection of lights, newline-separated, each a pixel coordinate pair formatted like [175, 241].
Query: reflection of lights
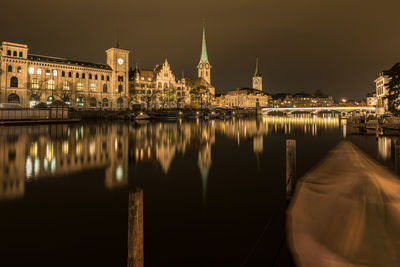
[49, 151]
[53, 165]
[37, 166]
[116, 144]
[28, 167]
[79, 149]
[65, 147]
[92, 148]
[119, 173]
[45, 164]
[344, 130]
[33, 150]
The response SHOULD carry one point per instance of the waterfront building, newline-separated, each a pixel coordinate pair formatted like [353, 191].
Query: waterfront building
[381, 92]
[371, 99]
[28, 79]
[160, 88]
[246, 97]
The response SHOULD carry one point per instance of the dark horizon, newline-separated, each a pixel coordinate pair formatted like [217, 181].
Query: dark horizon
[338, 48]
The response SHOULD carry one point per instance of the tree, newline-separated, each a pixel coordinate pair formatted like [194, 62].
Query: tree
[394, 90]
[149, 97]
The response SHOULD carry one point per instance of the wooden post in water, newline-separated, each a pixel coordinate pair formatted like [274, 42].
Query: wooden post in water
[290, 167]
[135, 229]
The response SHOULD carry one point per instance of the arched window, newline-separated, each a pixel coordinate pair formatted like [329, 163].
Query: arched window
[69, 74]
[90, 76]
[13, 98]
[9, 68]
[102, 77]
[50, 100]
[8, 52]
[119, 88]
[19, 69]
[21, 54]
[92, 102]
[104, 102]
[15, 53]
[33, 100]
[77, 75]
[165, 85]
[14, 81]
[51, 85]
[105, 88]
[108, 78]
[79, 101]
[95, 77]
[63, 73]
[83, 76]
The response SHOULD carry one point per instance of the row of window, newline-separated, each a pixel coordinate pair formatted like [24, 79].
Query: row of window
[14, 53]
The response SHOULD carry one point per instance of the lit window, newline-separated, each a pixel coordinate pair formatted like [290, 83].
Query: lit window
[79, 85]
[54, 73]
[39, 71]
[31, 70]
[66, 85]
[35, 84]
[47, 72]
[93, 86]
[19, 69]
[51, 85]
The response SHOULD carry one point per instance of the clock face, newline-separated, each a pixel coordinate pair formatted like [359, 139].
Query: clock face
[120, 61]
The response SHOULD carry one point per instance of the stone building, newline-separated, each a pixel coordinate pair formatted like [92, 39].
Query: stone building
[160, 88]
[381, 92]
[246, 97]
[28, 79]
[371, 99]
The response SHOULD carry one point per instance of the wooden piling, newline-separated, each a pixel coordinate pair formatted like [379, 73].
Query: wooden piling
[290, 167]
[135, 229]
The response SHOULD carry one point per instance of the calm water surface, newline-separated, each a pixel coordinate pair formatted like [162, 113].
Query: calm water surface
[214, 191]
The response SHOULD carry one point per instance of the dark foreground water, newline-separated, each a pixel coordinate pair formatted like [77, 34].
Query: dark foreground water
[213, 191]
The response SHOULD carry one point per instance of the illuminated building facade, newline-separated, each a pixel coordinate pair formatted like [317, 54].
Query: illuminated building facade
[28, 79]
[381, 93]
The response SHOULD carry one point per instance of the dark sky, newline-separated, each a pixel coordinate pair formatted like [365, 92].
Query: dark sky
[337, 46]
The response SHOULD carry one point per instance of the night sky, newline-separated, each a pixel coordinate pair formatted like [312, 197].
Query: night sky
[337, 46]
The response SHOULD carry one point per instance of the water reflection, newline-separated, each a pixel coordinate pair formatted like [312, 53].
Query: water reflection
[30, 153]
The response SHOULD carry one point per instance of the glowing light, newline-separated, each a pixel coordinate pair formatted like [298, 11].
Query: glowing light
[28, 167]
[119, 173]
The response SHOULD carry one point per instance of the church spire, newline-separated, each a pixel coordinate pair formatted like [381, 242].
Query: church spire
[257, 72]
[204, 56]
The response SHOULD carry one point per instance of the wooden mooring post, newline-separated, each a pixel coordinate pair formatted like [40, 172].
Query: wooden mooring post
[135, 229]
[290, 167]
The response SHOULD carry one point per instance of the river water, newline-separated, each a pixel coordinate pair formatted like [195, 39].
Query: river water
[213, 191]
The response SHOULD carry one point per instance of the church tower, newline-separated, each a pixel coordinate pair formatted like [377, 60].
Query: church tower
[257, 79]
[204, 67]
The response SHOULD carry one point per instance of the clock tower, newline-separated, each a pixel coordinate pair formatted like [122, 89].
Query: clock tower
[257, 79]
[204, 66]
[118, 60]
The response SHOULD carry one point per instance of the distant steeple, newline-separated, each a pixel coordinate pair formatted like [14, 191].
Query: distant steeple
[257, 72]
[204, 56]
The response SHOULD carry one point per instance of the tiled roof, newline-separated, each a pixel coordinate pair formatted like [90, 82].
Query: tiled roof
[57, 60]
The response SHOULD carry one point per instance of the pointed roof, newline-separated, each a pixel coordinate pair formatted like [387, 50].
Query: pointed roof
[257, 72]
[204, 56]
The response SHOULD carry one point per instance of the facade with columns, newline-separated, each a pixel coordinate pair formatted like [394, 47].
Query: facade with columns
[28, 79]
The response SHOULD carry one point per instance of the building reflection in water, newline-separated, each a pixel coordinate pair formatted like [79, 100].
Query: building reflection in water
[41, 151]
